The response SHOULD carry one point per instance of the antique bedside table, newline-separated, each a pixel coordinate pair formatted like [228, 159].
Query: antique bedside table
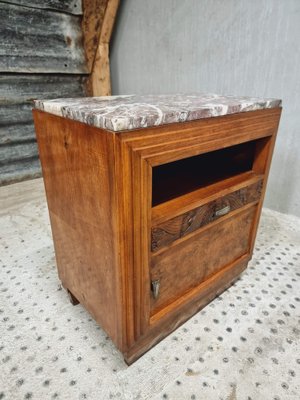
[154, 203]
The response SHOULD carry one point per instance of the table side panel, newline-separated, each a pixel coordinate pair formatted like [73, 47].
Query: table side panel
[78, 168]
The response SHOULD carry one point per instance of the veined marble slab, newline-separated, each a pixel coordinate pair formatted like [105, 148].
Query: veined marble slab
[119, 113]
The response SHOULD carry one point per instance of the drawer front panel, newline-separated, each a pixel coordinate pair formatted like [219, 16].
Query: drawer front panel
[190, 262]
[175, 228]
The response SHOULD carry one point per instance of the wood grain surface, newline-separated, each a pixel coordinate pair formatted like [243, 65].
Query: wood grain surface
[78, 172]
[175, 228]
[99, 80]
[185, 265]
[93, 15]
[99, 191]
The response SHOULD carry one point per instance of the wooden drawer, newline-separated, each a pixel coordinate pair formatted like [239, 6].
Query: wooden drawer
[194, 259]
[167, 232]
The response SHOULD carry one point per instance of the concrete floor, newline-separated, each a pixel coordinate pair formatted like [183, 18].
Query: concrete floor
[243, 346]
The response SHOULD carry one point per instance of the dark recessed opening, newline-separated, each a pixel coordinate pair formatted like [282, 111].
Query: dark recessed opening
[187, 175]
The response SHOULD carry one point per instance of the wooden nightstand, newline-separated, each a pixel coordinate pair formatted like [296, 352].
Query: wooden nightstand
[154, 203]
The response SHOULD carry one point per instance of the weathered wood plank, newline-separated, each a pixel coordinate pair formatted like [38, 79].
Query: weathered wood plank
[15, 114]
[68, 6]
[20, 171]
[16, 94]
[93, 15]
[99, 80]
[36, 40]
[18, 152]
[19, 88]
[16, 133]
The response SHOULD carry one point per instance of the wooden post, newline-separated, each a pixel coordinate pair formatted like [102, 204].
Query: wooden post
[98, 22]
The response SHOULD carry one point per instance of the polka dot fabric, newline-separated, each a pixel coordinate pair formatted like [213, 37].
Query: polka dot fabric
[242, 346]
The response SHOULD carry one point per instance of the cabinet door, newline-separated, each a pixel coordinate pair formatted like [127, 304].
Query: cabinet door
[190, 261]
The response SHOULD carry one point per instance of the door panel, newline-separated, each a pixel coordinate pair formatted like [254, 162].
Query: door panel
[190, 262]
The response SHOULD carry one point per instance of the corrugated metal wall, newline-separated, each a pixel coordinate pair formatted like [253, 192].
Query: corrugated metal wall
[41, 56]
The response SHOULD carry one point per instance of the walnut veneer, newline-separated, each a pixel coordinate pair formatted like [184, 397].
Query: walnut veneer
[149, 225]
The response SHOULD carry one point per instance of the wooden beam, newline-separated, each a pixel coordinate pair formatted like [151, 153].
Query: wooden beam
[93, 15]
[98, 21]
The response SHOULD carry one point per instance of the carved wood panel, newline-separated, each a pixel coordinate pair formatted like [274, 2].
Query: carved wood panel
[175, 228]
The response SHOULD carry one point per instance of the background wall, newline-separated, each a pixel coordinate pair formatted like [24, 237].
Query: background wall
[229, 47]
[41, 56]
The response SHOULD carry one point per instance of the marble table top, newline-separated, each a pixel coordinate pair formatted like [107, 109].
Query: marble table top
[119, 113]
